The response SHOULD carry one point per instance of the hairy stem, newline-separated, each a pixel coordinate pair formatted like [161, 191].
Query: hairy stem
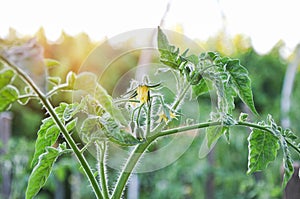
[186, 128]
[180, 97]
[132, 160]
[101, 150]
[57, 88]
[48, 106]
[148, 126]
[27, 96]
[137, 153]
[119, 101]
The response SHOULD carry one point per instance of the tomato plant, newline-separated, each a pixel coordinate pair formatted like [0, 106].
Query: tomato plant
[143, 115]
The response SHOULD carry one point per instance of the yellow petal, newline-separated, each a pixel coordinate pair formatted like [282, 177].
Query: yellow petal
[143, 94]
[162, 116]
[172, 115]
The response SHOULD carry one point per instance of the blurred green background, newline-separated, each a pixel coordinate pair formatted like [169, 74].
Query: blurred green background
[222, 174]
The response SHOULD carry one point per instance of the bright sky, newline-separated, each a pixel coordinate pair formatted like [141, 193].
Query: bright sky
[264, 21]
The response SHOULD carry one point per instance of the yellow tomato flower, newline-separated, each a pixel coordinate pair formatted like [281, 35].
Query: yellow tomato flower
[143, 94]
[163, 116]
[172, 115]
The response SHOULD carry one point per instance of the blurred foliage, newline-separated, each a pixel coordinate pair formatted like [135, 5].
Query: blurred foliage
[186, 177]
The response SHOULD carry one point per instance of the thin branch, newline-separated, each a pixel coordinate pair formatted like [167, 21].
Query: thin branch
[131, 162]
[27, 96]
[181, 97]
[119, 101]
[56, 89]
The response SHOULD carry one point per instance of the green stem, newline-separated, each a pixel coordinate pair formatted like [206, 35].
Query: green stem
[119, 101]
[140, 149]
[132, 160]
[208, 124]
[101, 150]
[186, 128]
[148, 118]
[26, 96]
[57, 88]
[181, 96]
[48, 106]
[206, 68]
[138, 115]
[136, 154]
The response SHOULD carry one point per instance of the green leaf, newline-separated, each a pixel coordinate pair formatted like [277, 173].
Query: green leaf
[91, 129]
[47, 134]
[54, 80]
[88, 82]
[229, 95]
[6, 77]
[263, 147]
[243, 117]
[8, 95]
[225, 93]
[169, 55]
[71, 125]
[52, 134]
[214, 133]
[163, 43]
[212, 55]
[200, 89]
[194, 78]
[41, 171]
[116, 134]
[51, 63]
[287, 159]
[122, 137]
[71, 79]
[210, 141]
[70, 111]
[287, 163]
[61, 109]
[241, 81]
[90, 106]
[42, 142]
[106, 102]
[192, 58]
[288, 134]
